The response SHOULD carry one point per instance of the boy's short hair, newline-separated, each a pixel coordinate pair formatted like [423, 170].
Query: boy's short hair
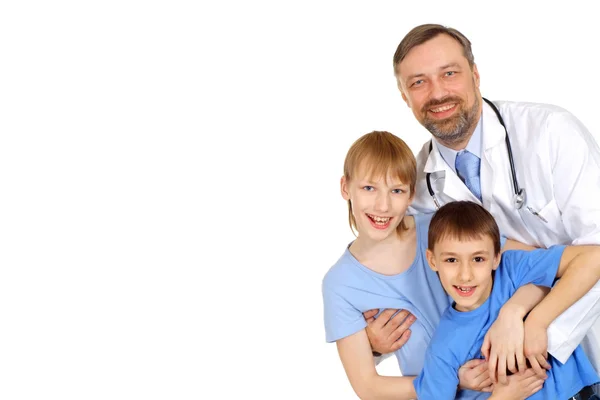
[463, 220]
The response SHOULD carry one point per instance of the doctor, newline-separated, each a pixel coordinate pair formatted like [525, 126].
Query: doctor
[535, 167]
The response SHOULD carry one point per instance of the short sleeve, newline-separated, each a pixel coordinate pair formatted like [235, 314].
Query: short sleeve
[437, 380]
[341, 318]
[538, 266]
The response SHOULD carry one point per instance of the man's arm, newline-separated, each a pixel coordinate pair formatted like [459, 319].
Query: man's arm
[579, 270]
[575, 163]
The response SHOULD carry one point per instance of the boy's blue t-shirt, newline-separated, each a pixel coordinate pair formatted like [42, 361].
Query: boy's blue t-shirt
[350, 288]
[460, 335]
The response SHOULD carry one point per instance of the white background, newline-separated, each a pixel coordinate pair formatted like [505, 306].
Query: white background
[169, 178]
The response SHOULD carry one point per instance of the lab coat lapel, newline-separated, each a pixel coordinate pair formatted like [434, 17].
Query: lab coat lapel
[492, 155]
[453, 187]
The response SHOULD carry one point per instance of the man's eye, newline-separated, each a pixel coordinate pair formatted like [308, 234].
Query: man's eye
[450, 73]
[417, 82]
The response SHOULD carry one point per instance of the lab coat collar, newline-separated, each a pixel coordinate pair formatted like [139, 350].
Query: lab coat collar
[492, 133]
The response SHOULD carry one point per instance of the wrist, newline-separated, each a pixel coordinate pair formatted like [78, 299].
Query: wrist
[535, 320]
[513, 310]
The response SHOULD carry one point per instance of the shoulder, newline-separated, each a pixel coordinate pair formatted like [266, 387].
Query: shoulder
[540, 118]
[339, 272]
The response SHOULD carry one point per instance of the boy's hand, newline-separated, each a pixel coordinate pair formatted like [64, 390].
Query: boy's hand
[503, 346]
[535, 346]
[519, 386]
[474, 375]
[386, 333]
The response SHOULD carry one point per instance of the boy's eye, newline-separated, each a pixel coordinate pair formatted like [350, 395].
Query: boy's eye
[397, 191]
[479, 259]
[368, 188]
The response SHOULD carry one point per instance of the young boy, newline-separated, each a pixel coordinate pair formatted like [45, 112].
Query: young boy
[464, 249]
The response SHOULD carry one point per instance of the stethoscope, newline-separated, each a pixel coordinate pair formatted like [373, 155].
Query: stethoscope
[520, 197]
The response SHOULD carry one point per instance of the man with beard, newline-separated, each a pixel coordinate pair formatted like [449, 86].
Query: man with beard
[549, 152]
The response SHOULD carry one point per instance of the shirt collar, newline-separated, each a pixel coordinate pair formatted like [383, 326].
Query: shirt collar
[474, 146]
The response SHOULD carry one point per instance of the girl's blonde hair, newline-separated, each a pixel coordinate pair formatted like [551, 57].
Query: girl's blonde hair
[380, 154]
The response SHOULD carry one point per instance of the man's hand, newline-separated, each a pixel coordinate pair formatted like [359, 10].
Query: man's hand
[519, 386]
[535, 346]
[474, 375]
[503, 346]
[388, 335]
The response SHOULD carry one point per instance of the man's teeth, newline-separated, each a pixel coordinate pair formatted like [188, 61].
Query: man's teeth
[443, 108]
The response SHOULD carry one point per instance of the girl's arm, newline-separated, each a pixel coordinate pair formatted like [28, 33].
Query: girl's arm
[357, 358]
[503, 343]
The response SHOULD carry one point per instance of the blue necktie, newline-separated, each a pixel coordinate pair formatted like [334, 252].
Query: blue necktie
[467, 168]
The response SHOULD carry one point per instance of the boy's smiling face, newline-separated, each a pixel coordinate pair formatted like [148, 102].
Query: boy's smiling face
[465, 269]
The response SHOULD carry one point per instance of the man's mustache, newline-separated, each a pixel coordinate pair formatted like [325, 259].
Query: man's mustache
[438, 102]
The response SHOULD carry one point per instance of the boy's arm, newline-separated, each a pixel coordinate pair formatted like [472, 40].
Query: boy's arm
[357, 358]
[579, 270]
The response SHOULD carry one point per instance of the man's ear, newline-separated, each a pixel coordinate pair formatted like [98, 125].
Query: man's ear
[402, 92]
[431, 260]
[476, 75]
[344, 188]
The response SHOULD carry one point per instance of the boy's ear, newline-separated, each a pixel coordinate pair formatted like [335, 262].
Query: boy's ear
[497, 259]
[344, 188]
[430, 260]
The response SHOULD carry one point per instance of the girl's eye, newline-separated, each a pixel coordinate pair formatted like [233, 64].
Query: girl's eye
[369, 188]
[450, 260]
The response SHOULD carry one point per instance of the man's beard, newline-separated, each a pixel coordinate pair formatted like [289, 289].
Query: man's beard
[456, 128]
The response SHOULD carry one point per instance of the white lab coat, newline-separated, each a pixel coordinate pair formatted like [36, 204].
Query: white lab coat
[557, 161]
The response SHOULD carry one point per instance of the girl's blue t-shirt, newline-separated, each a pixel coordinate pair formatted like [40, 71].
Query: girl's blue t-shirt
[350, 288]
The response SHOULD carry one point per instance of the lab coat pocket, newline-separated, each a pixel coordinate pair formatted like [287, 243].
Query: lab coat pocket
[545, 223]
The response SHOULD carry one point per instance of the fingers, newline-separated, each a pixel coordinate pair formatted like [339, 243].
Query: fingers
[473, 363]
[487, 383]
[511, 363]
[521, 364]
[488, 389]
[370, 315]
[502, 370]
[402, 340]
[485, 347]
[383, 318]
[535, 366]
[406, 323]
[492, 364]
[543, 362]
[397, 321]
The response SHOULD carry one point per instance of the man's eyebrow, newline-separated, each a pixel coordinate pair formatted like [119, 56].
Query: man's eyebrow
[443, 67]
